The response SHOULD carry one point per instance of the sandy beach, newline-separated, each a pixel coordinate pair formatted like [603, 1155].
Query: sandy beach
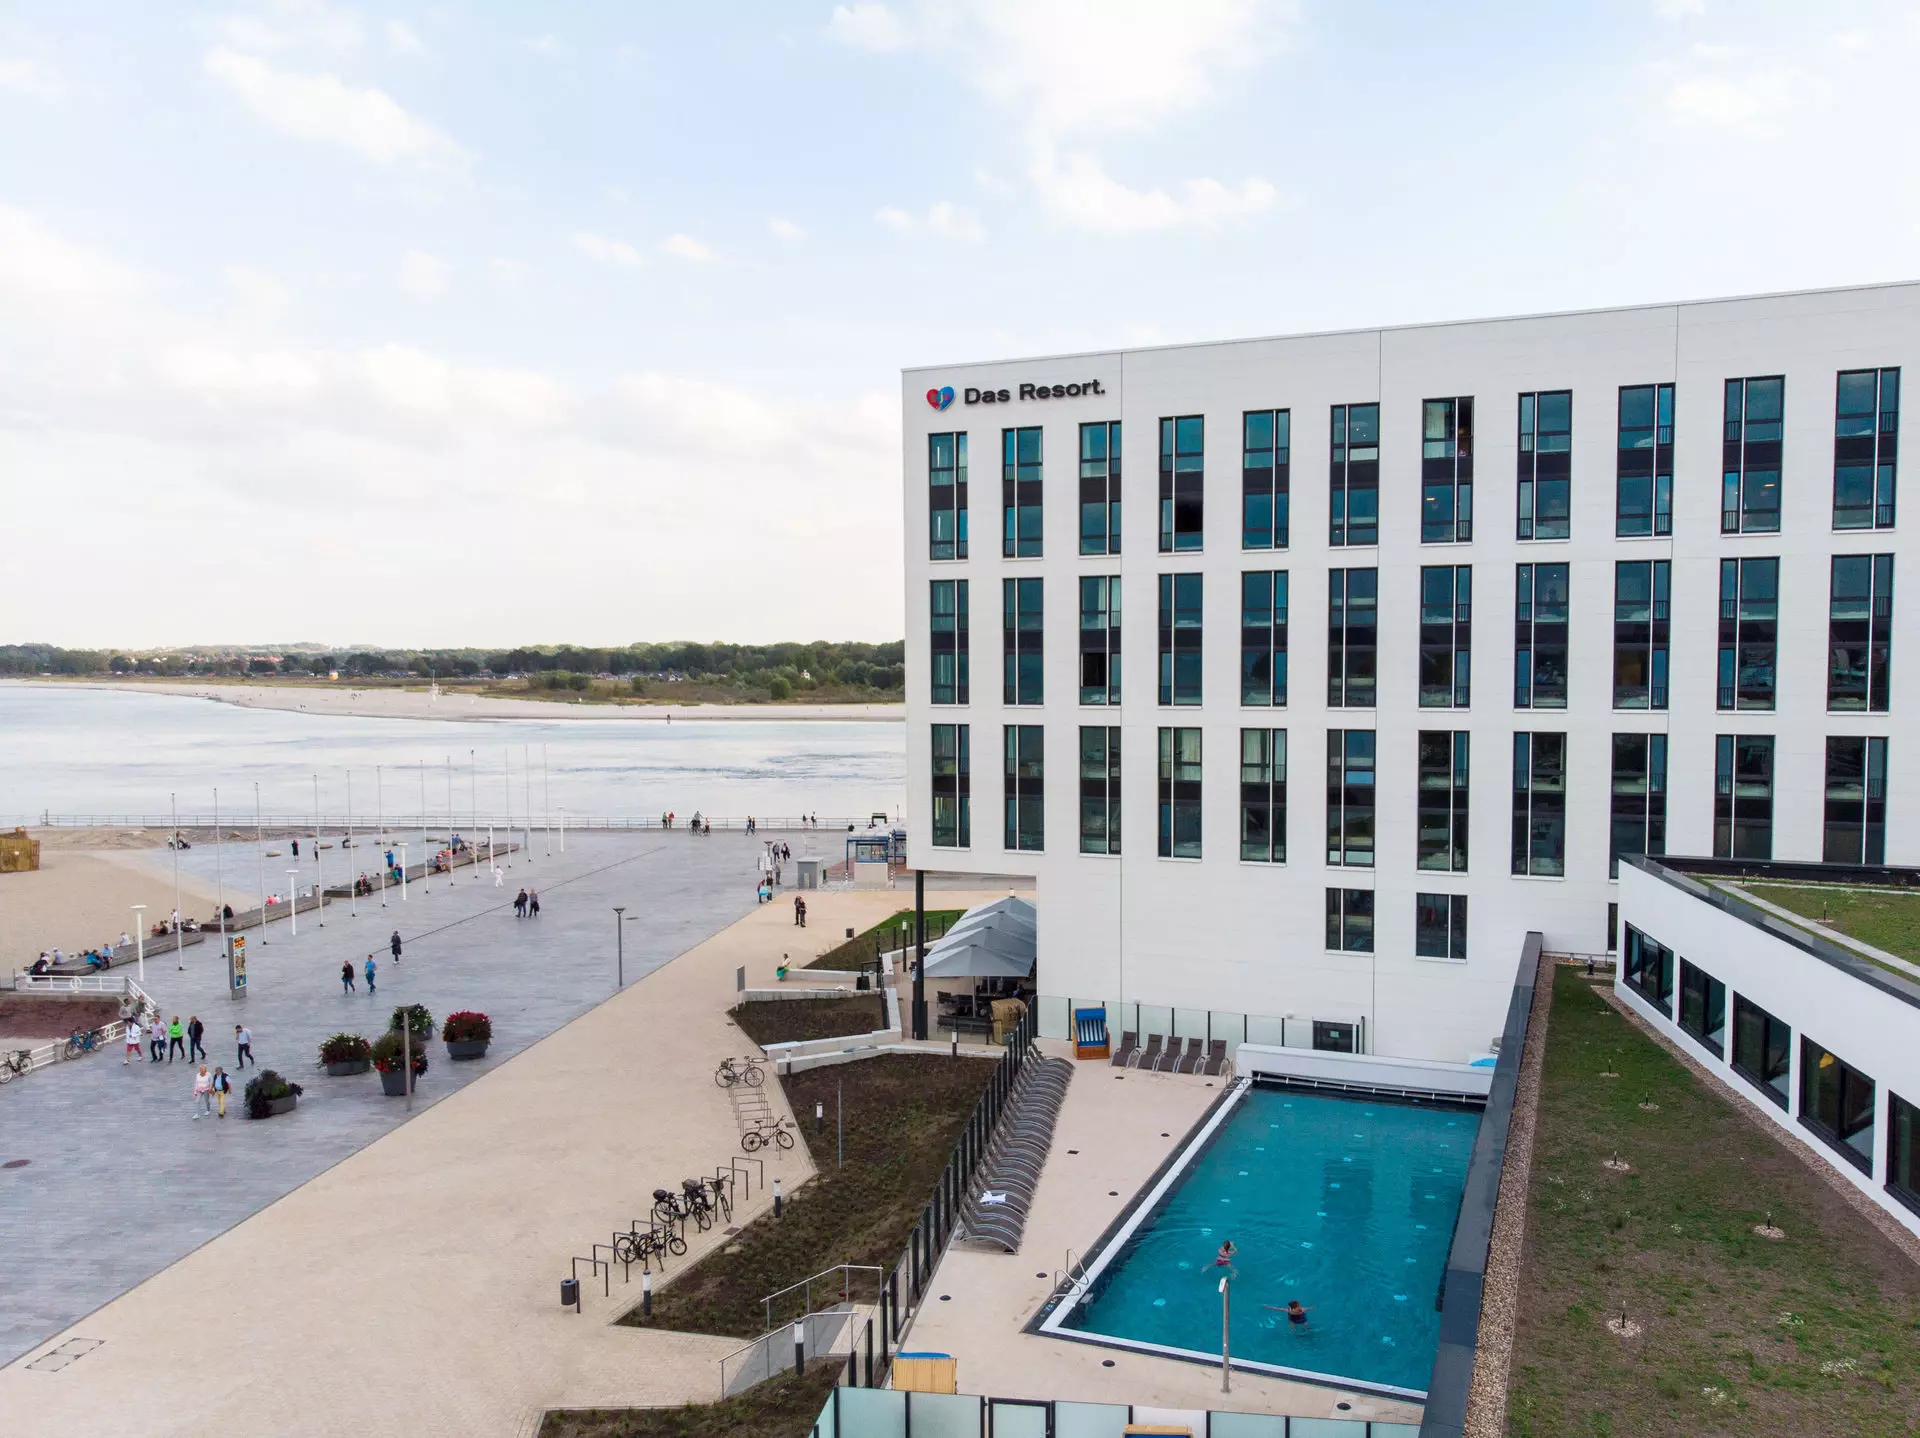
[80, 897]
[350, 701]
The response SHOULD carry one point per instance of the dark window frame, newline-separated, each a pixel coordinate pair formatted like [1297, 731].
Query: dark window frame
[1838, 1131]
[1350, 921]
[948, 496]
[948, 636]
[1182, 631]
[1446, 470]
[952, 775]
[1542, 635]
[1446, 636]
[1539, 848]
[1700, 993]
[1183, 484]
[1263, 796]
[1873, 448]
[1023, 668]
[1860, 634]
[1773, 1034]
[1352, 798]
[1024, 776]
[1442, 810]
[1854, 825]
[1264, 597]
[1637, 799]
[1100, 487]
[1440, 927]
[1544, 485]
[1903, 1151]
[1180, 792]
[1748, 672]
[1648, 966]
[1353, 638]
[1099, 639]
[1751, 450]
[1022, 493]
[1642, 632]
[1354, 473]
[1643, 463]
[1739, 816]
[1100, 789]
[1266, 478]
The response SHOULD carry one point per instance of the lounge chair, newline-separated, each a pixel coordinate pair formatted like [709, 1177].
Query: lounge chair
[1123, 1056]
[1189, 1062]
[1149, 1057]
[1216, 1059]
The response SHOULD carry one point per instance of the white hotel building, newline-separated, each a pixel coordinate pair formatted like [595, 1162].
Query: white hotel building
[1307, 675]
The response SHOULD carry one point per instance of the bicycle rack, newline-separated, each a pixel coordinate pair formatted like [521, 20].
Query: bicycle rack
[598, 1266]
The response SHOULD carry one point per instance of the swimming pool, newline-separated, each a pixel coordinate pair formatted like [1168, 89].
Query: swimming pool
[1347, 1204]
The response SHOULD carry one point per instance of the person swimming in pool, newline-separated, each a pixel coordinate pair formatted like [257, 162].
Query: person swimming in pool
[1224, 1258]
[1295, 1313]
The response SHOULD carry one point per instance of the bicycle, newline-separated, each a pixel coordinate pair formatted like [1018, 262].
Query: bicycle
[82, 1041]
[669, 1212]
[777, 1134]
[17, 1062]
[729, 1073]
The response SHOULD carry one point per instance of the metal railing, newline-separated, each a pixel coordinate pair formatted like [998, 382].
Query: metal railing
[105, 1037]
[243, 827]
[843, 1292]
[830, 1333]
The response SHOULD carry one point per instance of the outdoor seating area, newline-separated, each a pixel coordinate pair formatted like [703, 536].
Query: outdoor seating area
[1001, 1195]
[1161, 1054]
[993, 947]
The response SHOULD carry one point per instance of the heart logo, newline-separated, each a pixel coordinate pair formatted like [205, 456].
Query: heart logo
[940, 398]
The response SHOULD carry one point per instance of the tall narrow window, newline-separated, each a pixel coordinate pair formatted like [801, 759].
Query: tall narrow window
[1100, 488]
[947, 496]
[1179, 793]
[949, 641]
[1442, 820]
[1546, 464]
[1903, 1151]
[1639, 798]
[1647, 968]
[1020, 492]
[1540, 636]
[1743, 796]
[1856, 831]
[1100, 639]
[952, 787]
[1180, 638]
[1750, 448]
[1025, 786]
[1762, 1049]
[1540, 804]
[1100, 789]
[1749, 632]
[1263, 795]
[1446, 471]
[1356, 475]
[1641, 621]
[1836, 1102]
[1022, 626]
[1866, 442]
[1183, 481]
[1350, 797]
[1643, 467]
[1440, 926]
[1353, 601]
[1263, 637]
[1349, 927]
[1860, 633]
[1265, 465]
[1703, 1007]
[1446, 636]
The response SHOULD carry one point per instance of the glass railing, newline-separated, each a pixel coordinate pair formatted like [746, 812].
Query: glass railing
[890, 1413]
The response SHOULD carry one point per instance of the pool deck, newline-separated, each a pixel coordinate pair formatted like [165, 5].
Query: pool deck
[1124, 1126]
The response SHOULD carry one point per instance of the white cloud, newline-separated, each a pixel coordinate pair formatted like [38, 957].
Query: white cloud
[1745, 99]
[899, 221]
[325, 110]
[546, 45]
[1077, 191]
[868, 27]
[943, 220]
[31, 79]
[402, 40]
[686, 247]
[38, 266]
[259, 294]
[783, 229]
[607, 251]
[423, 276]
[279, 26]
[1679, 9]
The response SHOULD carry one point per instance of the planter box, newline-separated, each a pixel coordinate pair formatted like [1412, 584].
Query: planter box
[394, 1083]
[351, 1066]
[467, 1048]
[278, 1106]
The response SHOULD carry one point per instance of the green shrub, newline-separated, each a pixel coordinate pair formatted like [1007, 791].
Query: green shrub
[344, 1049]
[389, 1053]
[263, 1088]
[779, 689]
[467, 1027]
[417, 1020]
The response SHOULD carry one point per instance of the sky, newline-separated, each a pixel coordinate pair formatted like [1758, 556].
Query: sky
[582, 322]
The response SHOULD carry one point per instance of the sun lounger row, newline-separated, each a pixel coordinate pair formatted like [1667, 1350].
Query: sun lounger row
[1165, 1055]
[1002, 1193]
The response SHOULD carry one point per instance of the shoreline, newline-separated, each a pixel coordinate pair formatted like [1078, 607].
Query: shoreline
[348, 701]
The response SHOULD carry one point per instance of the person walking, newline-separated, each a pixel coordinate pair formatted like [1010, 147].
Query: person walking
[202, 1093]
[520, 904]
[296, 848]
[346, 976]
[221, 1083]
[243, 1046]
[369, 975]
[394, 945]
[533, 903]
[133, 1041]
[196, 1031]
[176, 1039]
[156, 1040]
[799, 912]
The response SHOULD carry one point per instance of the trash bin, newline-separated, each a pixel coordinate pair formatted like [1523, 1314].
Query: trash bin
[569, 1293]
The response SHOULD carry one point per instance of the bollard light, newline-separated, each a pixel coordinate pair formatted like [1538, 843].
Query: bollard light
[776, 1198]
[799, 1347]
[819, 1116]
[646, 1293]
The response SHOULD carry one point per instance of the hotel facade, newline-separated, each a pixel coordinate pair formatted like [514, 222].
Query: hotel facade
[1307, 675]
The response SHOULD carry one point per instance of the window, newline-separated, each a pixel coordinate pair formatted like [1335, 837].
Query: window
[1352, 635]
[1446, 471]
[949, 641]
[1021, 618]
[1743, 796]
[1350, 797]
[1440, 926]
[1540, 804]
[1356, 474]
[1860, 633]
[1540, 636]
[1866, 439]
[1180, 635]
[1100, 639]
[1333, 1038]
[1642, 604]
[1703, 1007]
[1643, 465]
[1836, 1102]
[1020, 492]
[1749, 632]
[952, 787]
[1026, 774]
[1182, 483]
[1263, 795]
[1179, 793]
[1762, 1053]
[1750, 487]
[1613, 926]
[1856, 831]
[1263, 638]
[947, 496]
[1903, 1152]
[1639, 798]
[1265, 464]
[1546, 464]
[1100, 488]
[1100, 789]
[1446, 636]
[1442, 819]
[1648, 969]
[1349, 922]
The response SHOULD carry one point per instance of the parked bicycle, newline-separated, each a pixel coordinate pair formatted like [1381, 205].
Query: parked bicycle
[17, 1062]
[643, 1245]
[746, 1071]
[767, 1133]
[82, 1041]
[669, 1211]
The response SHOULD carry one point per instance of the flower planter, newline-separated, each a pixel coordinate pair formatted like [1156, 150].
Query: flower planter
[278, 1106]
[394, 1083]
[351, 1066]
[467, 1048]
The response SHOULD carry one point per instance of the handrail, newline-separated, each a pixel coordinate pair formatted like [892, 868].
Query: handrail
[807, 1283]
[459, 822]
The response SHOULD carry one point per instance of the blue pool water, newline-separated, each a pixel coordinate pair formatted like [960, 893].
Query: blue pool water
[1345, 1204]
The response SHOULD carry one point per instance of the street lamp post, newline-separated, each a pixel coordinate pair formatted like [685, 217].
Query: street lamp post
[140, 938]
[319, 869]
[260, 839]
[179, 954]
[403, 871]
[293, 898]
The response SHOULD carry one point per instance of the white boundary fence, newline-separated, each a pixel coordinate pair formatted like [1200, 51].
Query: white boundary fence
[109, 1034]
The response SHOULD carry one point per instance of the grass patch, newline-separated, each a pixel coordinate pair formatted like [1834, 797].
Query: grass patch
[785, 1021]
[1818, 1333]
[857, 952]
[783, 1407]
[903, 1114]
[1886, 918]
